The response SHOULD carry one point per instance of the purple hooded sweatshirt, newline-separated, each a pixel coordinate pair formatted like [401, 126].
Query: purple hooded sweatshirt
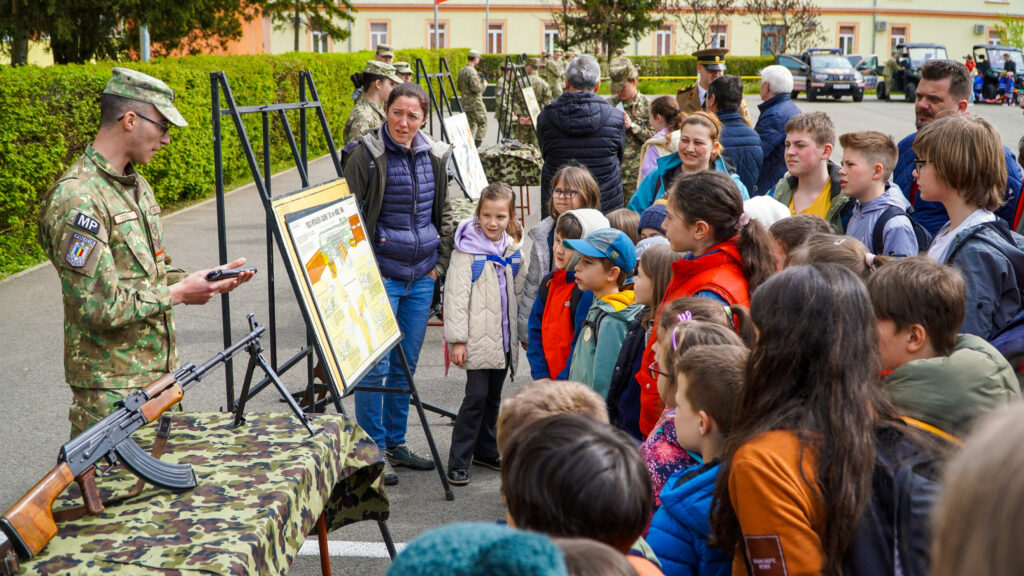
[470, 239]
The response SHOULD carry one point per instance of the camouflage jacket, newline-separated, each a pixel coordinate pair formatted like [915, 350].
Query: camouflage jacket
[365, 117]
[471, 88]
[101, 230]
[639, 110]
[541, 91]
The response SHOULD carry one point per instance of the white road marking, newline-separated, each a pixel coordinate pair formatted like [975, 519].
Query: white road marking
[345, 548]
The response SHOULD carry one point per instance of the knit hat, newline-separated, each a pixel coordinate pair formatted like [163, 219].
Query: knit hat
[766, 210]
[590, 220]
[478, 549]
[652, 218]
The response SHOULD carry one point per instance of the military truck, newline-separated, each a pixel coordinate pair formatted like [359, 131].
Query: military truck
[903, 74]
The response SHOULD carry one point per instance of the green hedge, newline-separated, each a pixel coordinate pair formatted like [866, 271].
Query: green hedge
[49, 115]
[679, 65]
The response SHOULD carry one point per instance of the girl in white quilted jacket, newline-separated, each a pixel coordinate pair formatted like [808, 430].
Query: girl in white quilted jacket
[480, 324]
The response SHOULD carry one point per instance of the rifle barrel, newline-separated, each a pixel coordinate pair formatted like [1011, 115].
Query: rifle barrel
[195, 374]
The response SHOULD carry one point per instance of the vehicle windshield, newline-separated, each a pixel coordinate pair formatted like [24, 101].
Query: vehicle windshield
[997, 59]
[919, 56]
[831, 61]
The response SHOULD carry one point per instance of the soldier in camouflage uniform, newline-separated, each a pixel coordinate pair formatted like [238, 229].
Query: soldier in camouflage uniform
[471, 94]
[525, 131]
[100, 227]
[557, 73]
[638, 129]
[367, 115]
[404, 71]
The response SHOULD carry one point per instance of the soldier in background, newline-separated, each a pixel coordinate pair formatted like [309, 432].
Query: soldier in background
[619, 59]
[636, 110]
[404, 71]
[555, 73]
[525, 131]
[100, 227]
[384, 54]
[471, 93]
[710, 65]
[377, 79]
[501, 87]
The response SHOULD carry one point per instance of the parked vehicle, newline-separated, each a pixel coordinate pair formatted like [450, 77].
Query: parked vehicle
[994, 84]
[823, 72]
[903, 74]
[868, 67]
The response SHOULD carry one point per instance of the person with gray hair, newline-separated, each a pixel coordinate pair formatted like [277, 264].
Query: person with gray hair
[583, 127]
[776, 109]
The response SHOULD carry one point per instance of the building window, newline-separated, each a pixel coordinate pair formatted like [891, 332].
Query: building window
[321, 41]
[378, 34]
[496, 39]
[719, 35]
[441, 37]
[663, 42]
[771, 40]
[897, 35]
[994, 37]
[551, 36]
[847, 35]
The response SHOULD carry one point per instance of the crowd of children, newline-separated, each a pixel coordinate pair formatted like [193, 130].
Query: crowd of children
[724, 385]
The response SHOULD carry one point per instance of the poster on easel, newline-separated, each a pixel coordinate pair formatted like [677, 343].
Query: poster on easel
[466, 155]
[343, 292]
[531, 103]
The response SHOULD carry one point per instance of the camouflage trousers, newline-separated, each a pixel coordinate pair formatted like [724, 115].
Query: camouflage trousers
[630, 167]
[477, 124]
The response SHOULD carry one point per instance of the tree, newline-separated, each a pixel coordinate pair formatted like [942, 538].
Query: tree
[605, 24]
[1011, 31]
[323, 15]
[20, 21]
[695, 17]
[795, 24]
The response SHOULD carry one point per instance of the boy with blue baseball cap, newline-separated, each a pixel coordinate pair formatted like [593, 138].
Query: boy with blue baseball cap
[607, 259]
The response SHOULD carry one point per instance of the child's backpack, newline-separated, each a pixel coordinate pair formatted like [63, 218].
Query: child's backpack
[924, 238]
[894, 534]
[480, 259]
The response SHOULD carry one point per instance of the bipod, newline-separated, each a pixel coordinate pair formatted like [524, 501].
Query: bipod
[255, 350]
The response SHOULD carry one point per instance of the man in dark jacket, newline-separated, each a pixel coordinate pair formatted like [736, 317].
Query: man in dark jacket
[741, 144]
[583, 127]
[776, 109]
[945, 88]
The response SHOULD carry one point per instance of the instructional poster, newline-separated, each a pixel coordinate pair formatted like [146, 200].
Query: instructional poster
[467, 158]
[531, 103]
[347, 289]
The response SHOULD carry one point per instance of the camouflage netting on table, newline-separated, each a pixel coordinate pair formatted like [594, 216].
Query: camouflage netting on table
[261, 489]
[512, 165]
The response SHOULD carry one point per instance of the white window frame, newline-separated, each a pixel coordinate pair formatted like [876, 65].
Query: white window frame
[551, 36]
[719, 35]
[443, 29]
[320, 41]
[376, 36]
[496, 38]
[847, 42]
[895, 38]
[664, 40]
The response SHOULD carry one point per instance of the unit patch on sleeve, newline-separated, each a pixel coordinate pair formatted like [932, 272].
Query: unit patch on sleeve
[764, 555]
[87, 223]
[78, 250]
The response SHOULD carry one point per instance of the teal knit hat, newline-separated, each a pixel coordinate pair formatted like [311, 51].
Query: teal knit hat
[480, 550]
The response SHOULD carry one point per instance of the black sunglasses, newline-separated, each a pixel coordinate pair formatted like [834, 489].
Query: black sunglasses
[164, 129]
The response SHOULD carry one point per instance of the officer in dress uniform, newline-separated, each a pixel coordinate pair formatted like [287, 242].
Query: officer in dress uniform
[100, 227]
[710, 65]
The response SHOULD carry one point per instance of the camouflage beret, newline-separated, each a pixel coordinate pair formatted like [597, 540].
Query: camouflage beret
[620, 74]
[382, 69]
[135, 85]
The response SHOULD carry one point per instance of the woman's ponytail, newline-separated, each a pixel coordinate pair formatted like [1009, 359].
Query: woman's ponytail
[755, 244]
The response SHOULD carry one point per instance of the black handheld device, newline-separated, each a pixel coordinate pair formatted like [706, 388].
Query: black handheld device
[221, 274]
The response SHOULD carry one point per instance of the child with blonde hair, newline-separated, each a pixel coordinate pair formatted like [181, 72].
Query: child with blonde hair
[480, 325]
[538, 400]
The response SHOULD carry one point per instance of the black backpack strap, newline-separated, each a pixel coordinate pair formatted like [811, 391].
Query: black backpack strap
[878, 232]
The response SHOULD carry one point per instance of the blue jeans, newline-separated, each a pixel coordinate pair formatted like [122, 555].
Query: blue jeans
[384, 416]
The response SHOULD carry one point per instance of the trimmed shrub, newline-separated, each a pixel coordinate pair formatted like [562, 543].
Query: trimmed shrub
[49, 115]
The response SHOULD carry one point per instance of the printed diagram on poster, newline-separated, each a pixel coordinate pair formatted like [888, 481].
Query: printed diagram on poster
[343, 292]
[467, 158]
[531, 104]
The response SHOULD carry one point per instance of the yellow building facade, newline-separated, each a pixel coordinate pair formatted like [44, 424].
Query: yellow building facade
[517, 26]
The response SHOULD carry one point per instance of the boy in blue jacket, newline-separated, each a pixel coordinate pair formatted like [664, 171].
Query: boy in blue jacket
[708, 381]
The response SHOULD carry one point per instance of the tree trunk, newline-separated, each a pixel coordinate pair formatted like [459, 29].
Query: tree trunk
[19, 49]
[298, 21]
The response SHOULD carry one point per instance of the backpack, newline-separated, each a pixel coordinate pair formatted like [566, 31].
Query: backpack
[924, 238]
[894, 533]
[480, 259]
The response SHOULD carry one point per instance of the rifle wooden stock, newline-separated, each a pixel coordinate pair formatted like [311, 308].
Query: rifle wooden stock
[32, 516]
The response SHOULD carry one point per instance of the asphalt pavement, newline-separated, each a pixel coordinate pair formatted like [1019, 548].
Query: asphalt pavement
[33, 414]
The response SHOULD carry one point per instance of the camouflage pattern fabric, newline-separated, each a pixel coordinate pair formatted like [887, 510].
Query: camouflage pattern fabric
[527, 133]
[463, 209]
[471, 94]
[261, 489]
[101, 230]
[554, 75]
[639, 110]
[512, 165]
[128, 83]
[365, 117]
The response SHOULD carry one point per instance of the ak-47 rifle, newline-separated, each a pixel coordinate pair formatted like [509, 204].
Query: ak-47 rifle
[28, 526]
